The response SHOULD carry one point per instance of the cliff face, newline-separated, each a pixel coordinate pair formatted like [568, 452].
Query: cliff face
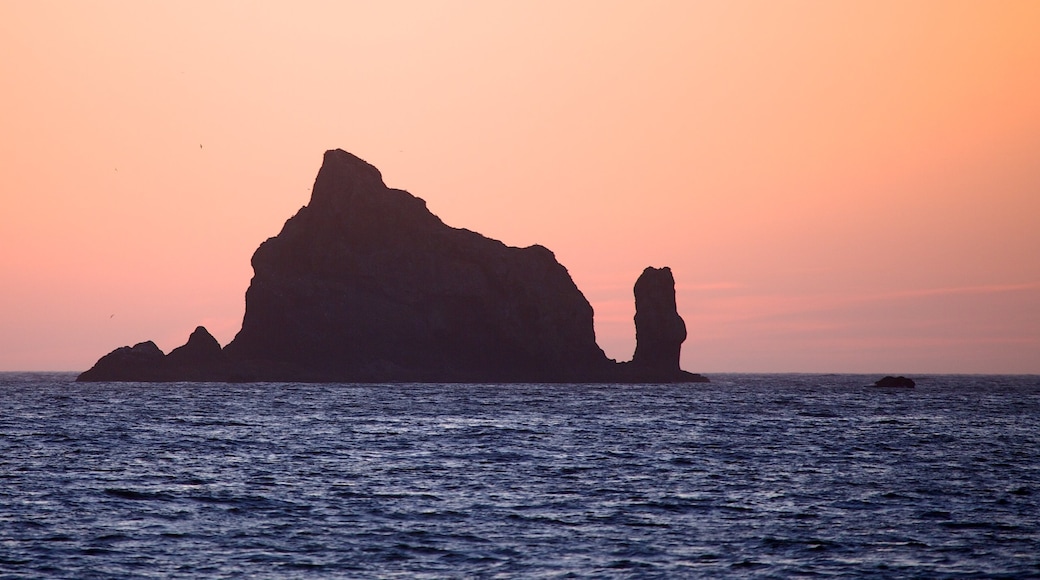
[365, 284]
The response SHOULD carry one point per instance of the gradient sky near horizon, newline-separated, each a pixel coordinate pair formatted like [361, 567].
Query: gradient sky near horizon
[837, 186]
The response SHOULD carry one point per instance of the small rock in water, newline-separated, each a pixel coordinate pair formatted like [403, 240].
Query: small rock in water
[895, 382]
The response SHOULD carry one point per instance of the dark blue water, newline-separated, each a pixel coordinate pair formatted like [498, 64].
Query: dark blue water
[749, 476]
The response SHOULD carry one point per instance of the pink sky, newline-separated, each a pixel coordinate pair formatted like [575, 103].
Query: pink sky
[837, 186]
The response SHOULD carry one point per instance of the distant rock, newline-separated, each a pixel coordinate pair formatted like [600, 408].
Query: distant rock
[895, 382]
[364, 284]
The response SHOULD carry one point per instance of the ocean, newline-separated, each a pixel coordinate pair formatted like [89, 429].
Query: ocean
[750, 476]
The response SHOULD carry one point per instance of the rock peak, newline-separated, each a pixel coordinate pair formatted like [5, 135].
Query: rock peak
[344, 174]
[342, 161]
[201, 348]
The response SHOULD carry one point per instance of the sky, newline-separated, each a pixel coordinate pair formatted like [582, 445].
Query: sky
[837, 186]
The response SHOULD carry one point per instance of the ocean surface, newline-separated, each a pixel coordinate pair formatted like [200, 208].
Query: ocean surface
[759, 476]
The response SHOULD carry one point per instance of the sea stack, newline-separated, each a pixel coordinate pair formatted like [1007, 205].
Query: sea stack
[660, 331]
[364, 284]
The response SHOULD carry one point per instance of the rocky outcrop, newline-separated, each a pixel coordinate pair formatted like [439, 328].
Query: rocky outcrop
[200, 359]
[364, 284]
[140, 362]
[660, 331]
[895, 383]
[202, 351]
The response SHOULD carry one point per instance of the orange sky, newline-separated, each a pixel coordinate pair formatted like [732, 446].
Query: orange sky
[837, 186]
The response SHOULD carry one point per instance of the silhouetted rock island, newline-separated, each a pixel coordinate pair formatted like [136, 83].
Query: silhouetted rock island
[364, 284]
[891, 382]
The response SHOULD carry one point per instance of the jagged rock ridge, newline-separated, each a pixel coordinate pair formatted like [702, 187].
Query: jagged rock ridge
[365, 284]
[200, 359]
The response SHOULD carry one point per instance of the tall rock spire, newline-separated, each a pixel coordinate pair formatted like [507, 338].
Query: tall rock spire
[660, 331]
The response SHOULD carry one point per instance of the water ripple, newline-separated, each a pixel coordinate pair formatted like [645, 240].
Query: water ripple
[749, 476]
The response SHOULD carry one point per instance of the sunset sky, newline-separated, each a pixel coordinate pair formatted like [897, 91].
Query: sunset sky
[837, 186]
